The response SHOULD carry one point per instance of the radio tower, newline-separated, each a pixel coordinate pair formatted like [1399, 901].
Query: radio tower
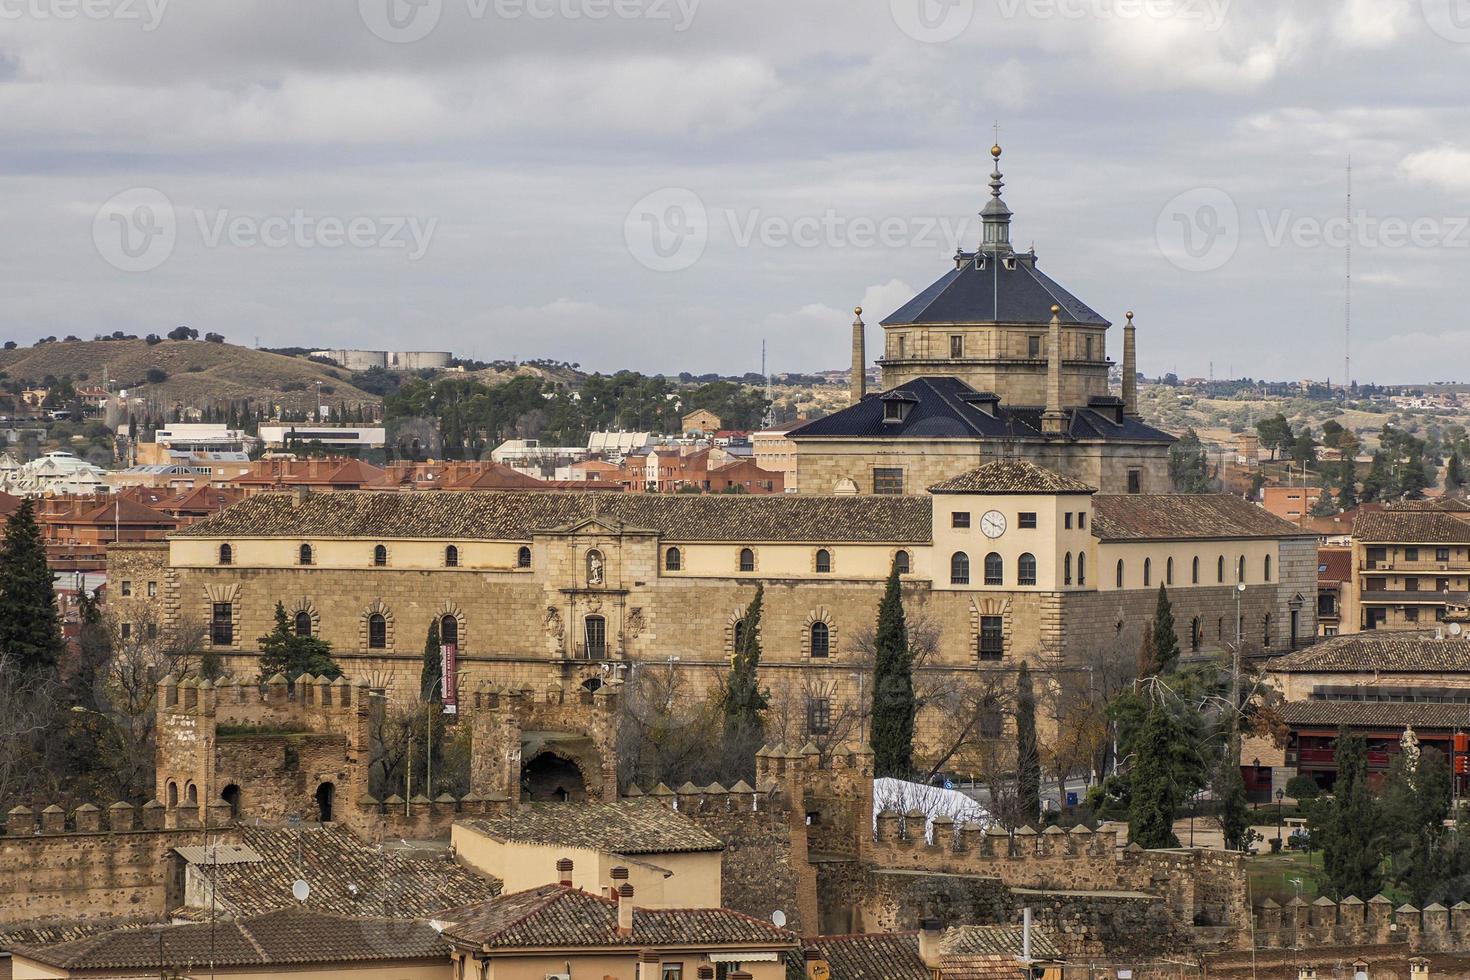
[1347, 301]
[769, 418]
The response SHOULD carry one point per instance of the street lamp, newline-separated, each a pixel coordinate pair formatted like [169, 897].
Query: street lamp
[1280, 795]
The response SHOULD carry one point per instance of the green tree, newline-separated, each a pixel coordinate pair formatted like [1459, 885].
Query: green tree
[1347, 825]
[1324, 505]
[432, 672]
[1028, 756]
[1454, 473]
[1347, 496]
[745, 702]
[893, 687]
[283, 652]
[1165, 640]
[1379, 484]
[1189, 469]
[1275, 433]
[1415, 803]
[1304, 448]
[30, 627]
[1235, 814]
[1156, 794]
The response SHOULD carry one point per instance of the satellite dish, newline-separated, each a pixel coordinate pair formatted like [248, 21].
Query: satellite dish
[1456, 629]
[779, 918]
[300, 890]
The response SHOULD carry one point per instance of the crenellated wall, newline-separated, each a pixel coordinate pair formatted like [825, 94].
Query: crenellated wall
[1353, 922]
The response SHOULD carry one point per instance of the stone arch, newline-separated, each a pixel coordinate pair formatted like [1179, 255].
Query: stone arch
[553, 774]
[736, 616]
[819, 615]
[990, 606]
[378, 607]
[450, 609]
[305, 605]
[325, 796]
[223, 592]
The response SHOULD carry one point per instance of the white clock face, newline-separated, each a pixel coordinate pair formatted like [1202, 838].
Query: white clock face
[993, 524]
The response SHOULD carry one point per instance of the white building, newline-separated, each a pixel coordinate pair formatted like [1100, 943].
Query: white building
[331, 436]
[54, 473]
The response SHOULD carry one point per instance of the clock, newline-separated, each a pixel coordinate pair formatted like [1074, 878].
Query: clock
[993, 524]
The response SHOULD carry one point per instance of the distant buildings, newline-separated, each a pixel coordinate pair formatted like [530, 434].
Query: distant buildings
[341, 438]
[58, 472]
[364, 360]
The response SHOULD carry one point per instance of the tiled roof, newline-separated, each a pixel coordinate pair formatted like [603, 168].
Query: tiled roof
[995, 294]
[1011, 476]
[346, 876]
[1375, 714]
[633, 826]
[1178, 516]
[1411, 527]
[284, 936]
[121, 510]
[557, 917]
[1458, 505]
[1362, 653]
[877, 956]
[513, 515]
[948, 408]
[967, 953]
[50, 932]
[1334, 564]
[1005, 940]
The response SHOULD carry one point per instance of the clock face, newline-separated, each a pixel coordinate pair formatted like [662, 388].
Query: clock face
[993, 524]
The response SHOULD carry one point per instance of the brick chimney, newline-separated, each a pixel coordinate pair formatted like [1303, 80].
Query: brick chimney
[706, 973]
[1130, 370]
[564, 872]
[625, 910]
[648, 965]
[930, 932]
[1418, 968]
[814, 963]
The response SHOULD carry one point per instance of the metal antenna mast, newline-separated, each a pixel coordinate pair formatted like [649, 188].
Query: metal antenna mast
[1347, 302]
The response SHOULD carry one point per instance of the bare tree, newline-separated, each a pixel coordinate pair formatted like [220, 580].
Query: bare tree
[814, 713]
[27, 708]
[667, 734]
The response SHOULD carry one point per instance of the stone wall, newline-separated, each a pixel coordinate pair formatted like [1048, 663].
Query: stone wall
[1353, 922]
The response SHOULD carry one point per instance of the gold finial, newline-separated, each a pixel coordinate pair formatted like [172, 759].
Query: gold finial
[1055, 309]
[995, 151]
[858, 310]
[1129, 314]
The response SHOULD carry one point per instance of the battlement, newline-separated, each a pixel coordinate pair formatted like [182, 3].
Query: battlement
[53, 820]
[1353, 922]
[694, 800]
[314, 703]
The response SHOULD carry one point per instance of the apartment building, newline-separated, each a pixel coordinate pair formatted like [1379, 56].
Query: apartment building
[1410, 567]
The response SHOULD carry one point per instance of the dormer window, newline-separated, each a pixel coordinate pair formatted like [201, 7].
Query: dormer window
[896, 406]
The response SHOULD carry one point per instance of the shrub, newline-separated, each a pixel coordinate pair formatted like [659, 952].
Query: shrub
[156, 376]
[1302, 788]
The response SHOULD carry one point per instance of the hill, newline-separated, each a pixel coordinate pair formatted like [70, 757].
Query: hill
[198, 372]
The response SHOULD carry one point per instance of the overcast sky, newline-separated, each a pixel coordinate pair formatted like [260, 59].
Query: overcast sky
[660, 184]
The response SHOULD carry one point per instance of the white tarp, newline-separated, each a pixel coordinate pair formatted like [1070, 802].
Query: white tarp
[902, 796]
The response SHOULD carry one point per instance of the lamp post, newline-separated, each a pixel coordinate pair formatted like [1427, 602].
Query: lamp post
[1280, 795]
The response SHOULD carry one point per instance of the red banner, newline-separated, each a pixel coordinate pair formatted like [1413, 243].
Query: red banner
[449, 671]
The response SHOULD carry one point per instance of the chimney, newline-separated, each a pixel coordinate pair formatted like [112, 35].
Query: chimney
[564, 872]
[1054, 420]
[859, 385]
[648, 965]
[815, 965]
[706, 973]
[1418, 968]
[1310, 973]
[625, 910]
[1130, 370]
[930, 932]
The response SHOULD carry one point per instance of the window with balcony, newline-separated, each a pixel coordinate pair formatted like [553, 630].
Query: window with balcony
[1441, 554]
[1411, 554]
[959, 568]
[995, 569]
[1026, 569]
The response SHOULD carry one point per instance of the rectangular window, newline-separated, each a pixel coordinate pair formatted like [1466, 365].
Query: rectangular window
[1067, 520]
[818, 716]
[1033, 346]
[1441, 554]
[956, 345]
[1411, 554]
[1376, 556]
[1087, 347]
[960, 518]
[152, 631]
[1135, 481]
[1026, 518]
[127, 630]
[1411, 615]
[1411, 585]
[673, 971]
[1082, 520]
[901, 345]
[127, 587]
[222, 625]
[152, 590]
[887, 479]
[992, 637]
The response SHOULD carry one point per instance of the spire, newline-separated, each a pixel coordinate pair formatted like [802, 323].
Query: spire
[995, 217]
[859, 357]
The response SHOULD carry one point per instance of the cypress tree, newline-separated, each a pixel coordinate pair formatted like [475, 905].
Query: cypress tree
[30, 627]
[1351, 854]
[893, 688]
[433, 671]
[283, 652]
[744, 700]
[1155, 790]
[1166, 641]
[1028, 757]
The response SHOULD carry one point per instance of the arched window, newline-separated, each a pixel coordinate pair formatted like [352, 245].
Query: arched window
[1081, 568]
[451, 557]
[231, 795]
[377, 632]
[1148, 572]
[824, 561]
[1240, 569]
[1026, 569]
[821, 639]
[1220, 569]
[523, 557]
[1169, 572]
[959, 568]
[1120, 573]
[191, 794]
[303, 555]
[226, 555]
[449, 631]
[901, 562]
[380, 555]
[172, 793]
[739, 633]
[673, 560]
[1067, 569]
[747, 560]
[1196, 633]
[995, 569]
[1194, 571]
[303, 623]
[325, 794]
[1267, 569]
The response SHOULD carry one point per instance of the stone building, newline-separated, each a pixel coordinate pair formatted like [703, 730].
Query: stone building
[1010, 563]
[994, 359]
[1411, 568]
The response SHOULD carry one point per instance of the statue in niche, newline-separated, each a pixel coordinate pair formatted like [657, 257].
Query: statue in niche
[594, 567]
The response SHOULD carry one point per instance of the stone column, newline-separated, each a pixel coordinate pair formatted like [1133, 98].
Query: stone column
[1054, 420]
[1130, 370]
[859, 385]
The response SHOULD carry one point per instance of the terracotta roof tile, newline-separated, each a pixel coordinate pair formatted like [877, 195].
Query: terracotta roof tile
[1375, 714]
[513, 515]
[877, 956]
[1363, 653]
[1011, 476]
[556, 917]
[1412, 527]
[1178, 516]
[284, 936]
[1334, 564]
[635, 826]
